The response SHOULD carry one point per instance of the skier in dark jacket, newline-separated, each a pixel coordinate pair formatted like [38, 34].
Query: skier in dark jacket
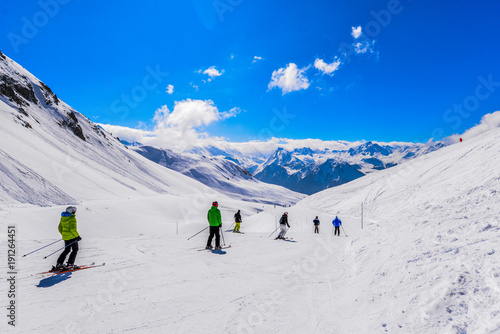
[67, 228]
[215, 221]
[316, 225]
[237, 222]
[337, 222]
[283, 226]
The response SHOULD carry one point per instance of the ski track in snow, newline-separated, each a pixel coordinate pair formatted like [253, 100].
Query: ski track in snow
[259, 285]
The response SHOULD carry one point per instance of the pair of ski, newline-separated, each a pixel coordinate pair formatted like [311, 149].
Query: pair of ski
[287, 239]
[57, 272]
[214, 249]
[230, 230]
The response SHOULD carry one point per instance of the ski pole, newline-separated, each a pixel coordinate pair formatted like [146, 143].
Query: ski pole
[222, 233]
[273, 232]
[41, 248]
[198, 232]
[230, 227]
[60, 249]
[332, 230]
[343, 230]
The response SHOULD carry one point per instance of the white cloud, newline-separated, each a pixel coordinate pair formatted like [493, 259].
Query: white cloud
[196, 87]
[327, 68]
[178, 129]
[212, 72]
[356, 32]
[187, 114]
[364, 47]
[231, 113]
[170, 89]
[128, 134]
[256, 59]
[488, 122]
[289, 79]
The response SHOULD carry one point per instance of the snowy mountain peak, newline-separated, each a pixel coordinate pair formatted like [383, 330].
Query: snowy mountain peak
[304, 151]
[371, 148]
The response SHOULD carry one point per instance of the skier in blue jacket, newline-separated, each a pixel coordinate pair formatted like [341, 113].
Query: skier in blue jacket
[337, 222]
[316, 224]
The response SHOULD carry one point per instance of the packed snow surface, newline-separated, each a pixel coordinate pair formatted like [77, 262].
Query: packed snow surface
[426, 260]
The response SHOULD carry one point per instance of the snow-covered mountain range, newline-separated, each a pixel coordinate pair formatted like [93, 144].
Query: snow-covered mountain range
[309, 171]
[304, 170]
[221, 173]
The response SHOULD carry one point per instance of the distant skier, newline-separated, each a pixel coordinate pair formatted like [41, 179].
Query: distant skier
[283, 226]
[237, 222]
[67, 228]
[337, 222]
[316, 225]
[215, 221]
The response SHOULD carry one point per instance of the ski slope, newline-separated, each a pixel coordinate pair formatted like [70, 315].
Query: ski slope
[426, 260]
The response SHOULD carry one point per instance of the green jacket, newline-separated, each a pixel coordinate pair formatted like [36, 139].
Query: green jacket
[67, 226]
[214, 217]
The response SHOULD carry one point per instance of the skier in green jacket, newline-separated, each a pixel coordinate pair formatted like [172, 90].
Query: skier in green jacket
[215, 221]
[67, 228]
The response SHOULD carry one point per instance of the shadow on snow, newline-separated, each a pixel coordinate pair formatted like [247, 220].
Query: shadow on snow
[53, 280]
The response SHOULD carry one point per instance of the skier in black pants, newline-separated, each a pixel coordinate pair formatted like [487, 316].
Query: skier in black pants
[67, 228]
[283, 226]
[215, 221]
[337, 222]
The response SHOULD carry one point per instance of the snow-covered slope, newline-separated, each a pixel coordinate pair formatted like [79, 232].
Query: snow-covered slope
[222, 174]
[427, 259]
[425, 262]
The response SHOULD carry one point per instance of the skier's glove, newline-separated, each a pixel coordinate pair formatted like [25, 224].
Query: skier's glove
[78, 238]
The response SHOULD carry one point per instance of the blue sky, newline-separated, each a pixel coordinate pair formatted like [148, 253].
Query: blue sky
[250, 70]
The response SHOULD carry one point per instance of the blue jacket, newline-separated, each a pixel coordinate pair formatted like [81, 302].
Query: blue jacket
[336, 222]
